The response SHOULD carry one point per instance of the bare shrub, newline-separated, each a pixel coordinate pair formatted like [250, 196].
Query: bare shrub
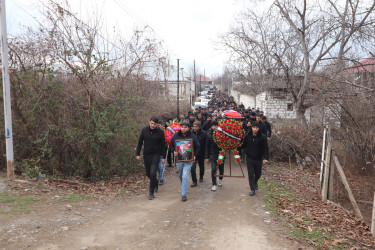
[290, 140]
[79, 100]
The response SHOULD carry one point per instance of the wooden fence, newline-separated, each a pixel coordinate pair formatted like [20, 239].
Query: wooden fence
[327, 177]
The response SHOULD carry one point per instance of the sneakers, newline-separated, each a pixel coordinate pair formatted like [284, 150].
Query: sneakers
[201, 179]
[151, 196]
[213, 188]
[194, 184]
[161, 182]
[256, 186]
[220, 182]
[252, 193]
[184, 198]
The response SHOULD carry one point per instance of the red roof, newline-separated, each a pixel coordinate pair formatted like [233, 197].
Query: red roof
[365, 65]
[203, 79]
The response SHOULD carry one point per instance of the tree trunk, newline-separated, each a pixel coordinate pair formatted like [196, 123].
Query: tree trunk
[300, 111]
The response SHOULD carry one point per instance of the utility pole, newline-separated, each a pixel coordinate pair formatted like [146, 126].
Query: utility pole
[204, 74]
[195, 82]
[178, 88]
[200, 83]
[6, 94]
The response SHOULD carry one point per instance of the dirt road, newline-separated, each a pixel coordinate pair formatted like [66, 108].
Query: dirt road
[226, 219]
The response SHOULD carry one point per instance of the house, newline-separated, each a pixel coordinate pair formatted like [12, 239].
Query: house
[277, 103]
[363, 72]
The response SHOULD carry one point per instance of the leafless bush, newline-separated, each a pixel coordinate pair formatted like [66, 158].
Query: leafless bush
[291, 141]
[80, 99]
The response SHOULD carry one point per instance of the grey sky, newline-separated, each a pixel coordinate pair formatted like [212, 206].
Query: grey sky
[188, 28]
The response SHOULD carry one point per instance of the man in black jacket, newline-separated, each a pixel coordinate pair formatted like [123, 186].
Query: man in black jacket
[262, 126]
[257, 153]
[207, 125]
[268, 126]
[184, 167]
[154, 146]
[200, 158]
[211, 155]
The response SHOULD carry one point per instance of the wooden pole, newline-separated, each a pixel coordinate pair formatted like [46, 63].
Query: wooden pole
[327, 166]
[347, 187]
[373, 219]
[331, 182]
[323, 152]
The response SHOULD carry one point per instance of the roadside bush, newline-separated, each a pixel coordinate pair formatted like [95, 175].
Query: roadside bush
[291, 141]
[80, 100]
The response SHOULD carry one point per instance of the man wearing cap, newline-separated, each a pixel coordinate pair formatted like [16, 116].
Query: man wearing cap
[253, 116]
[212, 154]
[184, 167]
[257, 153]
[152, 138]
[200, 158]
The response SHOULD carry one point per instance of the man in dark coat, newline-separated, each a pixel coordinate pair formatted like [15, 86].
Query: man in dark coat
[207, 125]
[262, 126]
[257, 153]
[211, 155]
[184, 155]
[152, 138]
[184, 167]
[200, 158]
[268, 126]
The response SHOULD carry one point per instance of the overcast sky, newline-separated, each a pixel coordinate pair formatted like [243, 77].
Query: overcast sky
[189, 28]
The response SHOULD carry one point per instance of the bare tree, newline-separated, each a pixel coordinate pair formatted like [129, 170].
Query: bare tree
[298, 41]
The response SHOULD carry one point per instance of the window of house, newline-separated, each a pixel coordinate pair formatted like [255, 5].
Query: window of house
[289, 106]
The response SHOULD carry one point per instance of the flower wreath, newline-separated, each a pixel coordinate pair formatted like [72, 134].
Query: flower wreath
[173, 126]
[228, 136]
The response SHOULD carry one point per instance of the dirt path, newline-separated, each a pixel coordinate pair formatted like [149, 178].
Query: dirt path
[225, 219]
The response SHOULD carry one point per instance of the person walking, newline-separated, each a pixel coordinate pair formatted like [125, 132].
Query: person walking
[184, 168]
[152, 138]
[201, 135]
[211, 155]
[257, 153]
[268, 126]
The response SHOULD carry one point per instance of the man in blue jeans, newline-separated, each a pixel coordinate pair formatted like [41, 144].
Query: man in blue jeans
[184, 167]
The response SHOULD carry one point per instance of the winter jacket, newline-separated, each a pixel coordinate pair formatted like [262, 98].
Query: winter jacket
[212, 150]
[269, 130]
[206, 126]
[201, 135]
[263, 128]
[180, 136]
[153, 140]
[256, 147]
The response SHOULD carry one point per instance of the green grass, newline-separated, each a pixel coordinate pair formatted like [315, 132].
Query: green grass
[19, 203]
[120, 193]
[317, 235]
[74, 198]
[274, 192]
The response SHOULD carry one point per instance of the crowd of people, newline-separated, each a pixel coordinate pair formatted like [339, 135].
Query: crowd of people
[199, 126]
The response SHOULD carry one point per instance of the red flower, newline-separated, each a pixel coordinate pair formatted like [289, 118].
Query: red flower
[238, 159]
[235, 152]
[219, 161]
[222, 152]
